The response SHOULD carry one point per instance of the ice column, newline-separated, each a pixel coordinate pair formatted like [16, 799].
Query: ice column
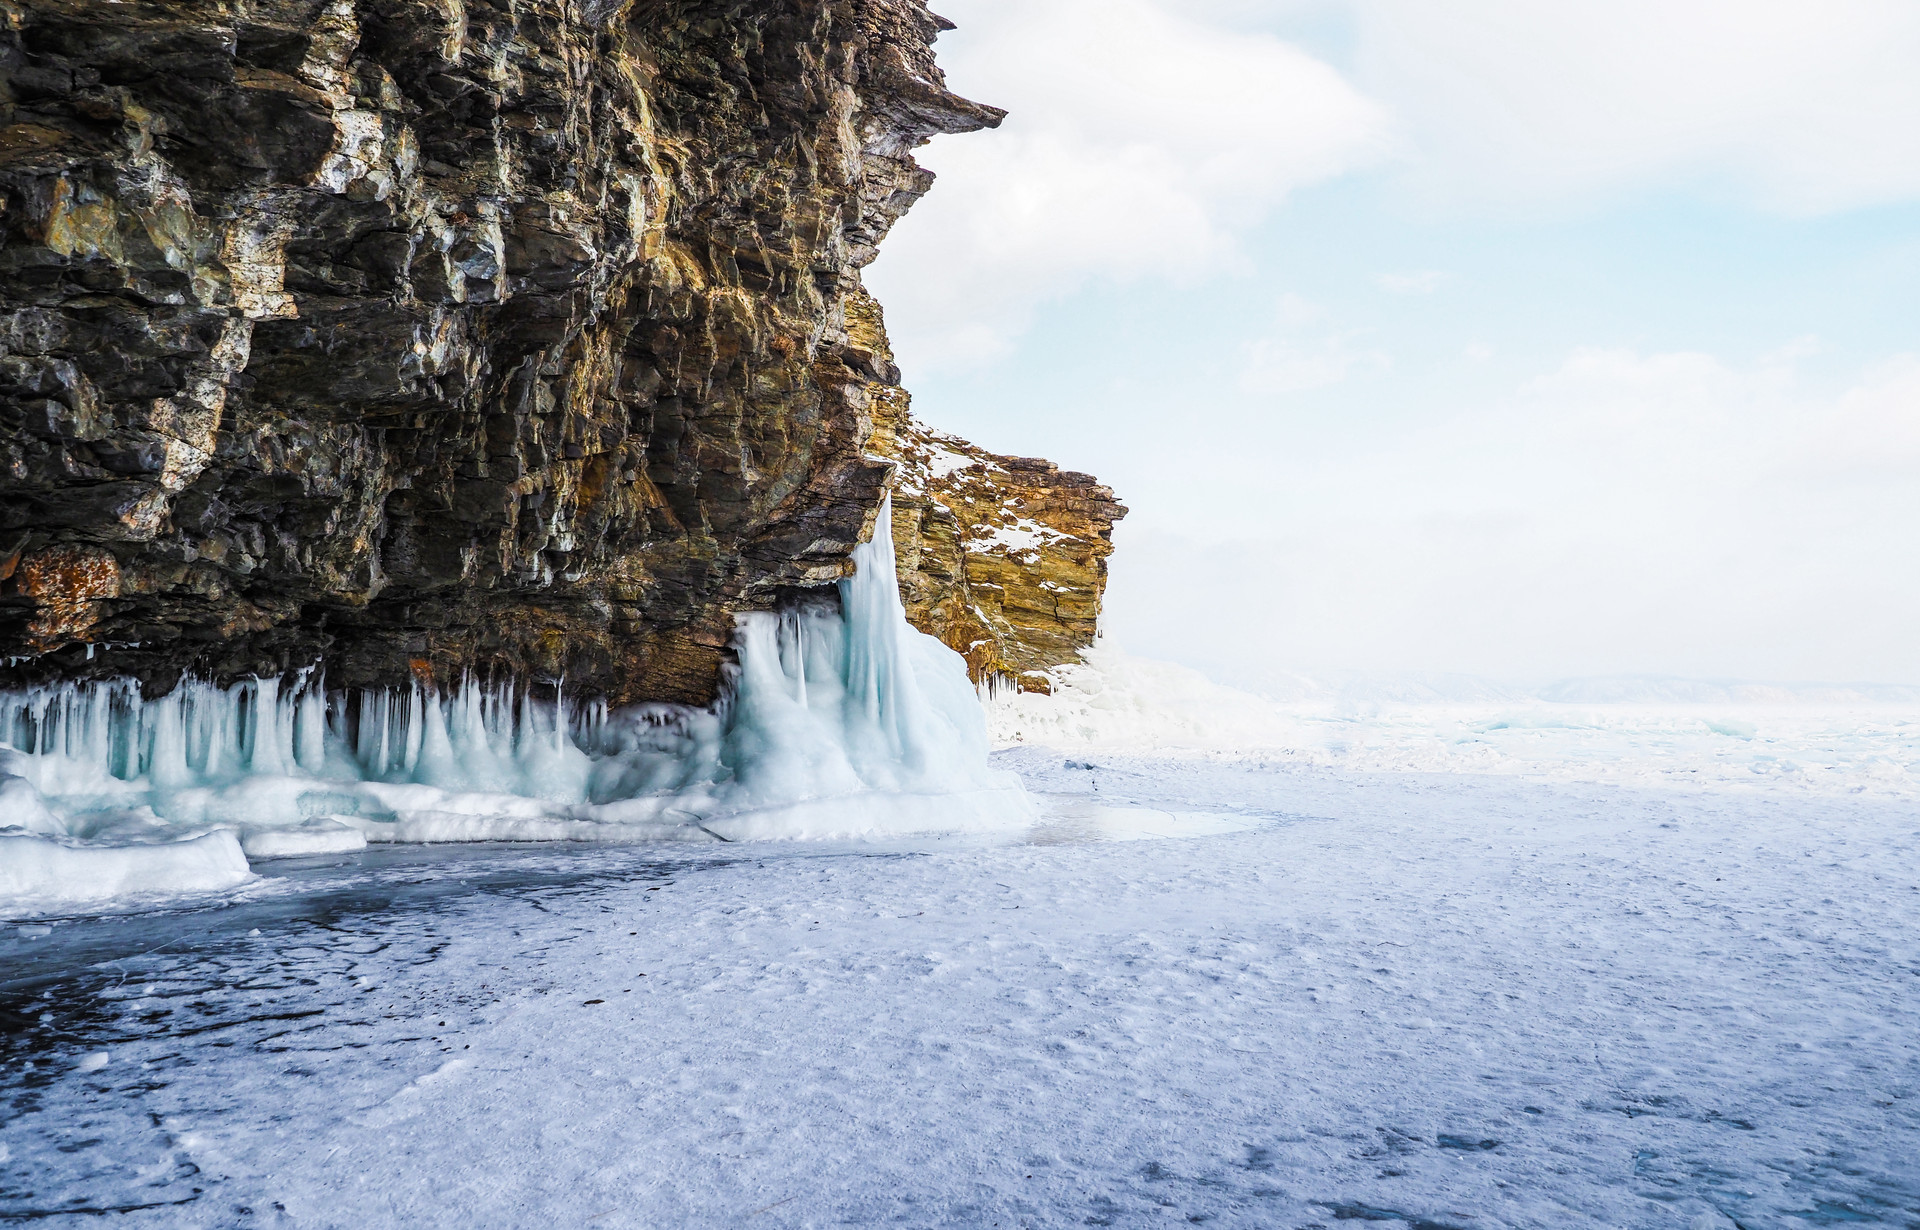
[833, 702]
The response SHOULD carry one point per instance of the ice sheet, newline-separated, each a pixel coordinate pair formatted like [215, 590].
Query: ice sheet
[1394, 999]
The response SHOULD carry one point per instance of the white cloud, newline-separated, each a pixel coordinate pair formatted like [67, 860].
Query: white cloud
[1620, 444]
[1807, 106]
[1284, 365]
[1141, 142]
[1418, 282]
[1295, 357]
[1871, 434]
[1146, 137]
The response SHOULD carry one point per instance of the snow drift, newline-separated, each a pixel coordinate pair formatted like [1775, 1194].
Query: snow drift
[40, 868]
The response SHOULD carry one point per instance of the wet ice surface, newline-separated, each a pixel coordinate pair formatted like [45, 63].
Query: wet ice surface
[1413, 999]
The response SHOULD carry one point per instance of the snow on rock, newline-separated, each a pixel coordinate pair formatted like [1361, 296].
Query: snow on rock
[1020, 535]
[943, 458]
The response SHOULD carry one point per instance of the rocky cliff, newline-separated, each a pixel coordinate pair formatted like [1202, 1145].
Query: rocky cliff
[1003, 558]
[428, 337]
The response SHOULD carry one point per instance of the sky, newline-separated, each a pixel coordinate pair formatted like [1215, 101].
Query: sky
[1516, 340]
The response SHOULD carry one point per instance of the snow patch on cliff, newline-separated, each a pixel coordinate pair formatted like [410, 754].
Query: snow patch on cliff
[1021, 535]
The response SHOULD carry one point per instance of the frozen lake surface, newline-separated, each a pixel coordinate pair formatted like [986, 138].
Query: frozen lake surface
[1396, 998]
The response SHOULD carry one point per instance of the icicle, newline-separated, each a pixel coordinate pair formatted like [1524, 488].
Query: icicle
[828, 700]
[270, 739]
[309, 720]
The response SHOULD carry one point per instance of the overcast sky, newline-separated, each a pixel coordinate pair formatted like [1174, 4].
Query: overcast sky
[1516, 339]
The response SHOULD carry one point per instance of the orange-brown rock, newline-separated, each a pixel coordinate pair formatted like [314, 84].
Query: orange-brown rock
[1003, 558]
[68, 586]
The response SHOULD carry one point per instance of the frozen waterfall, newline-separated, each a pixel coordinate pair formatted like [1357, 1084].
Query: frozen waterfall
[839, 720]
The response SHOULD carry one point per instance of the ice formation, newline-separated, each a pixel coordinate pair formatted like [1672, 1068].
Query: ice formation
[840, 719]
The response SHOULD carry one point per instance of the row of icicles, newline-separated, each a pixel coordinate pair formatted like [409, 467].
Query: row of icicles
[827, 699]
[496, 738]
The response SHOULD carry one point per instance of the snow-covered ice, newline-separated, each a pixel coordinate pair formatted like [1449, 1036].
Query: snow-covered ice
[30, 865]
[1814, 741]
[1392, 997]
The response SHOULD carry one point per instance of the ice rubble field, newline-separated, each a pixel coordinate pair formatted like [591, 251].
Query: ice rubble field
[1390, 997]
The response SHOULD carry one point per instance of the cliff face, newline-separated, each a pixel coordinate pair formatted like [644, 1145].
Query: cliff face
[417, 337]
[1003, 558]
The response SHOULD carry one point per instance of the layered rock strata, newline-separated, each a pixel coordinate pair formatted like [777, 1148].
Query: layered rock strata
[1003, 558]
[424, 339]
